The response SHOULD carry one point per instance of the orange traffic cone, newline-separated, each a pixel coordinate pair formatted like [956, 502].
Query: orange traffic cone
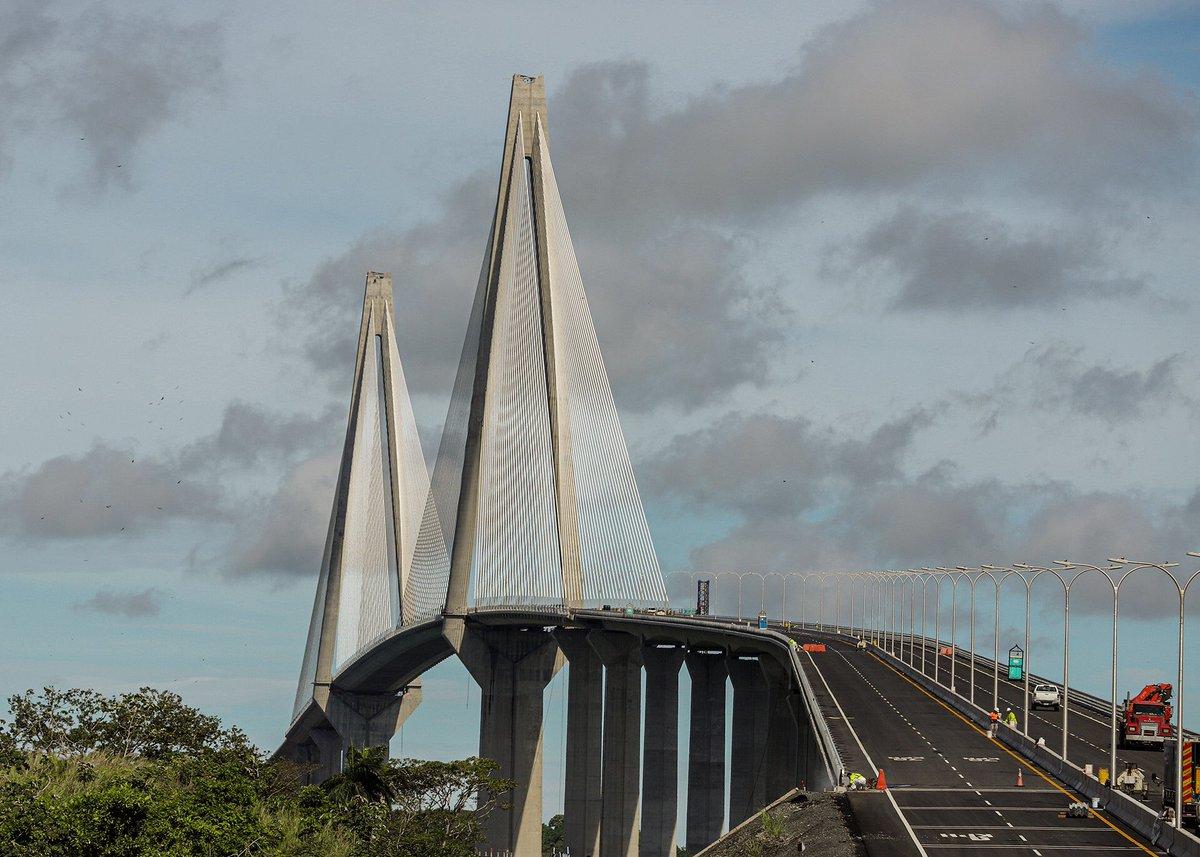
[880, 781]
[1020, 779]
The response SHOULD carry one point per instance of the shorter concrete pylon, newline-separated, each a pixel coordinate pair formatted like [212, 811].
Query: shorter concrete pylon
[619, 822]
[585, 711]
[512, 667]
[706, 748]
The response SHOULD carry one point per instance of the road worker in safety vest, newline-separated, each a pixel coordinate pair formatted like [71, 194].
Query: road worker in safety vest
[857, 782]
[1010, 718]
[993, 722]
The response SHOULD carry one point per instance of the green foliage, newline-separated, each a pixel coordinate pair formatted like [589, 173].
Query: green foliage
[148, 723]
[143, 774]
[554, 837]
[771, 827]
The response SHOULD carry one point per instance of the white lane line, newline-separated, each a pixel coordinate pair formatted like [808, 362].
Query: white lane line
[912, 833]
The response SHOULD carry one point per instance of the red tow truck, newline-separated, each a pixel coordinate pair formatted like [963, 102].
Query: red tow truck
[1147, 718]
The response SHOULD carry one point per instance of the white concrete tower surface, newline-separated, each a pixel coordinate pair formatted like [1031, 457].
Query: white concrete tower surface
[533, 500]
[381, 489]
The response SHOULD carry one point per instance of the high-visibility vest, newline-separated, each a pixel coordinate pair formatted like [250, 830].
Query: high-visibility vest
[994, 716]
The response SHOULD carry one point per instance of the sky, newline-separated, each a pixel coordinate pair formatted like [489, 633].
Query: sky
[878, 285]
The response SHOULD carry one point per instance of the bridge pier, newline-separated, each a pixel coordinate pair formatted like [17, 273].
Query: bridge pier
[621, 655]
[751, 725]
[512, 667]
[706, 749]
[585, 701]
[660, 765]
[783, 739]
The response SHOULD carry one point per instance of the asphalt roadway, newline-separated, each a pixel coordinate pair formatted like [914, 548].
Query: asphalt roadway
[951, 789]
[1088, 740]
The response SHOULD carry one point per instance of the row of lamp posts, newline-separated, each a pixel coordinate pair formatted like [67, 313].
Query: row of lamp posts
[1067, 573]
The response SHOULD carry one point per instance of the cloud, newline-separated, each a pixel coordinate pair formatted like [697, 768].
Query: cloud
[286, 538]
[108, 78]
[220, 271]
[962, 94]
[963, 261]
[112, 490]
[1061, 379]
[131, 605]
[1103, 391]
[764, 463]
[105, 491]
[250, 435]
[855, 505]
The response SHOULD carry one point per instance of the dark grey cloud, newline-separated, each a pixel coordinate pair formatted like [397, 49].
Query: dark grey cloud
[764, 463]
[250, 435]
[1110, 393]
[113, 490]
[285, 536]
[1063, 379]
[106, 491]
[220, 271]
[131, 605]
[968, 261]
[106, 79]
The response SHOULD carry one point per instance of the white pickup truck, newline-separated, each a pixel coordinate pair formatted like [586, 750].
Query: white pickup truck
[1046, 696]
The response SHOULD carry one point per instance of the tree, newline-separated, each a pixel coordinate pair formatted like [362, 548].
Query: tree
[368, 776]
[145, 723]
[553, 837]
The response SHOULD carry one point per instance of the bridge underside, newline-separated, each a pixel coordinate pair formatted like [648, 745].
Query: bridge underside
[616, 802]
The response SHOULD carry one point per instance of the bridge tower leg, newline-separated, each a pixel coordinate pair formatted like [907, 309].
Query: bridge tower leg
[512, 667]
[585, 701]
[621, 655]
[706, 749]
[660, 767]
[748, 759]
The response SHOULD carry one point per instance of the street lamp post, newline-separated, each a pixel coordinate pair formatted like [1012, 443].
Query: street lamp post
[1181, 593]
[720, 574]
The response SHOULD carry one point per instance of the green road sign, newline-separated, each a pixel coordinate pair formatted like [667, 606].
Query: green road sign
[1016, 663]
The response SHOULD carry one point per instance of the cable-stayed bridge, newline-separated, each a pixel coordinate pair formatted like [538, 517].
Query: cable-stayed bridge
[506, 556]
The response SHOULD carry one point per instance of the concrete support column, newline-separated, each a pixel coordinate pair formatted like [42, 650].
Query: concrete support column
[512, 667]
[706, 749]
[783, 739]
[585, 700]
[326, 753]
[660, 767]
[352, 720]
[751, 716]
[621, 655]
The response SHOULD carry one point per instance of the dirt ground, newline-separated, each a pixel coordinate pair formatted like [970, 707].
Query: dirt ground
[816, 823]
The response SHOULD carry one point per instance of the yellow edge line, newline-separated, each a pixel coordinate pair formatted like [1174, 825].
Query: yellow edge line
[1025, 762]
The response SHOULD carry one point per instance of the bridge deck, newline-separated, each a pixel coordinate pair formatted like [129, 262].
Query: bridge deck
[1089, 731]
[952, 788]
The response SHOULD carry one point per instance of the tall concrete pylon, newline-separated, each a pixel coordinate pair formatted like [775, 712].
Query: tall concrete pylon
[378, 502]
[534, 501]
